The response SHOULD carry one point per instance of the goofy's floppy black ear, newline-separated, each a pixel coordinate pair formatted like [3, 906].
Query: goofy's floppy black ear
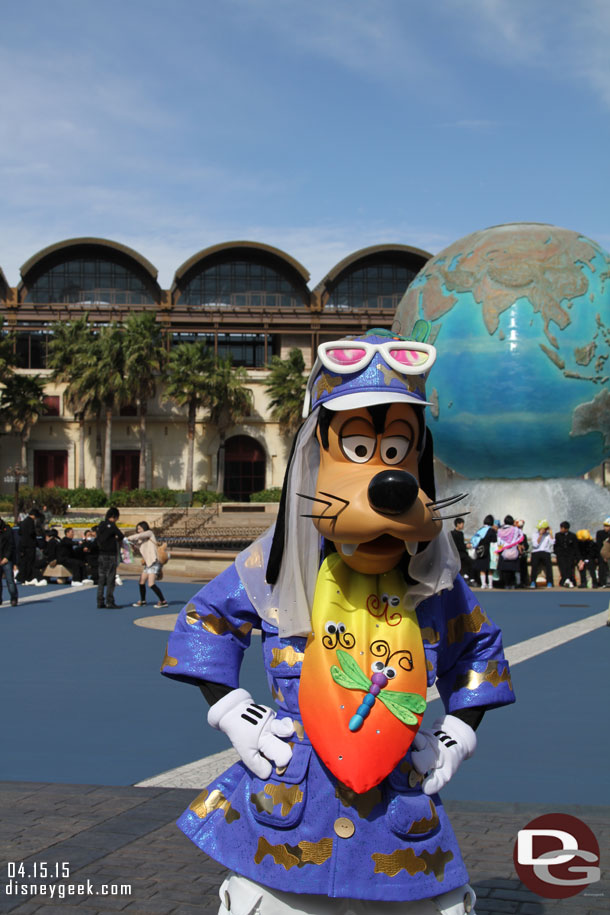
[426, 467]
[276, 552]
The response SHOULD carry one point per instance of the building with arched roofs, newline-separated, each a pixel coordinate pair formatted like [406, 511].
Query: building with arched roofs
[243, 298]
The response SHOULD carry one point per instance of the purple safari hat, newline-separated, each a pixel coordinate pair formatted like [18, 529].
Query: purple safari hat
[377, 367]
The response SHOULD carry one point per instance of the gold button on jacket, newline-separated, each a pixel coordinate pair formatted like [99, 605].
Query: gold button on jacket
[344, 828]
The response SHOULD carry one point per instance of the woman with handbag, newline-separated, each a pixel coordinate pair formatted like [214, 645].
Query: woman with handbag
[146, 542]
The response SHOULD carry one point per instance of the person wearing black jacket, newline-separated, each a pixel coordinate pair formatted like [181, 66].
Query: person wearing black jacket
[27, 549]
[91, 553]
[67, 556]
[7, 558]
[566, 551]
[108, 541]
[602, 536]
[460, 544]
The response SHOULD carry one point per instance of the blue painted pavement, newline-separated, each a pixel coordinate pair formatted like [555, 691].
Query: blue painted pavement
[82, 700]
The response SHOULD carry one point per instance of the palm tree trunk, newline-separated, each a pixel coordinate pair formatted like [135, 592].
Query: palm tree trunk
[220, 477]
[98, 451]
[81, 450]
[191, 447]
[142, 471]
[24, 450]
[108, 452]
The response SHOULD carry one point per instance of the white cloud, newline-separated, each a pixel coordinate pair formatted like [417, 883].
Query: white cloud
[377, 38]
[569, 41]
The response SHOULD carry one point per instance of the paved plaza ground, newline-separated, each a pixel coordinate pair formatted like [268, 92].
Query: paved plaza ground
[85, 717]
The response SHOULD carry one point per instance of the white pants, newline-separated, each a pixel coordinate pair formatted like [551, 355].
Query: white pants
[240, 896]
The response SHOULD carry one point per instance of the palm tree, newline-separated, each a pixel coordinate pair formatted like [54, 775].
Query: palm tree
[286, 388]
[185, 377]
[69, 348]
[101, 371]
[21, 405]
[145, 357]
[227, 400]
[7, 357]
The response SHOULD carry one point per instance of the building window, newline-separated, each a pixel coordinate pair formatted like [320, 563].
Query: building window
[125, 469]
[245, 349]
[51, 405]
[241, 284]
[31, 348]
[51, 468]
[244, 468]
[128, 409]
[90, 281]
[372, 287]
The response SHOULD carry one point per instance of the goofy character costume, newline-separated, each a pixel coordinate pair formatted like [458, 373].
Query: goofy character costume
[334, 806]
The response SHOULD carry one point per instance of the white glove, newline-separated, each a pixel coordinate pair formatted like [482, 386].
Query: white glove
[440, 750]
[253, 730]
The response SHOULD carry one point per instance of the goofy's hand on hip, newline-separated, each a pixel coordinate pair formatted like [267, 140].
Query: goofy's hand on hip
[254, 731]
[440, 750]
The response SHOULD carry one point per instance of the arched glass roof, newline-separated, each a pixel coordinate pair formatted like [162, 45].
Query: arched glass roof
[241, 275]
[371, 279]
[88, 271]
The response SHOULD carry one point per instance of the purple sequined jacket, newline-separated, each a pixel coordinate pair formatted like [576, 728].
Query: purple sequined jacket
[303, 831]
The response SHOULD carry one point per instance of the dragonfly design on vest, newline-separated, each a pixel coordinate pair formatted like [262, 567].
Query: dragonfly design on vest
[349, 675]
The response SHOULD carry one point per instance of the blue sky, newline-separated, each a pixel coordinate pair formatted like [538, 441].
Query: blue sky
[318, 127]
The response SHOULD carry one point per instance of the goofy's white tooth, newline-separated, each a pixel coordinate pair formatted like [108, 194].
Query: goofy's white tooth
[411, 547]
[348, 548]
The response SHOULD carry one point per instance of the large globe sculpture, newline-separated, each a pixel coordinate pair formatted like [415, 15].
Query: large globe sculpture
[521, 321]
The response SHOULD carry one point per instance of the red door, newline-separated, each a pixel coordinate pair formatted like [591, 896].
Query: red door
[51, 468]
[244, 468]
[125, 469]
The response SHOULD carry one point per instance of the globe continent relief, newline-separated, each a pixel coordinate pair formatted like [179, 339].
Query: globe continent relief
[521, 321]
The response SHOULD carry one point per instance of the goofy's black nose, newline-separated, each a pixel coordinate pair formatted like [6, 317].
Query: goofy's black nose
[392, 492]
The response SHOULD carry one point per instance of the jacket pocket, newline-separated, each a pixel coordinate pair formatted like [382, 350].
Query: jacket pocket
[412, 815]
[279, 801]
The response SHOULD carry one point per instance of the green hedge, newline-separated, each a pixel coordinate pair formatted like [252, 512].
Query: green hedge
[208, 497]
[267, 495]
[58, 499]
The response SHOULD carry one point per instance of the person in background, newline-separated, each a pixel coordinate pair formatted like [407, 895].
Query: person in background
[146, 542]
[91, 555]
[509, 538]
[602, 536]
[458, 538]
[50, 549]
[566, 551]
[70, 556]
[481, 543]
[7, 559]
[27, 548]
[524, 548]
[587, 563]
[47, 517]
[108, 540]
[542, 549]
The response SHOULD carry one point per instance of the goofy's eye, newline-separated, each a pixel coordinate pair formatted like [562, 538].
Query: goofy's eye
[394, 600]
[394, 449]
[358, 448]
[390, 672]
[377, 667]
[341, 628]
[330, 627]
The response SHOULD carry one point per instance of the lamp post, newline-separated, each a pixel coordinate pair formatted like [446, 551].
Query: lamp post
[16, 475]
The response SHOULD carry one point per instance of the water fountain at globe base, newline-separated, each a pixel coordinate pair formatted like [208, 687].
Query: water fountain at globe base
[581, 502]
